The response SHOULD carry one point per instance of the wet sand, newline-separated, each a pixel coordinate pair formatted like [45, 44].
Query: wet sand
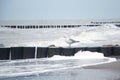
[111, 66]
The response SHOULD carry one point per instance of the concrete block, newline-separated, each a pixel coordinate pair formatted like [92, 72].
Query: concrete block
[42, 52]
[28, 52]
[54, 51]
[16, 53]
[4, 53]
[116, 51]
[80, 48]
[107, 51]
[94, 49]
[68, 51]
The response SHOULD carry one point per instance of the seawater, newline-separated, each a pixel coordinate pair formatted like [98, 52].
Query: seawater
[88, 36]
[49, 68]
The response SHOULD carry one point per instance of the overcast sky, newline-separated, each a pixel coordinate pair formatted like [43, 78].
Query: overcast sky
[58, 9]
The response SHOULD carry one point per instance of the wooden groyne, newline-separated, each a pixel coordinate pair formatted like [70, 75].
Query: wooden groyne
[43, 52]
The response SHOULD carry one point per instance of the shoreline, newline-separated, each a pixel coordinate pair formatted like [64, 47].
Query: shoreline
[109, 66]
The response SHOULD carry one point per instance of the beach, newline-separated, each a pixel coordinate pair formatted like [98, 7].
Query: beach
[105, 71]
[111, 69]
[111, 66]
[61, 67]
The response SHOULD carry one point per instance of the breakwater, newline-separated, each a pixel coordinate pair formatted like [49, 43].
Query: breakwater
[13, 53]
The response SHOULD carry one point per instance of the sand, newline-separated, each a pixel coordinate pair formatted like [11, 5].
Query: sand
[112, 66]
[112, 69]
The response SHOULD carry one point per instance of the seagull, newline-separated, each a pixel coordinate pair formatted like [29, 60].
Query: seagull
[70, 41]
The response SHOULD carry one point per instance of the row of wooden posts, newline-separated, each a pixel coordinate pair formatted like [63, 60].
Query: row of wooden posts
[43, 52]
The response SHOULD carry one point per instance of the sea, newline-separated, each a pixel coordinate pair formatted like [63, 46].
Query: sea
[59, 67]
[55, 68]
[87, 36]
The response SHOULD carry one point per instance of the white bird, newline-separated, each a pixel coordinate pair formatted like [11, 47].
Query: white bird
[70, 41]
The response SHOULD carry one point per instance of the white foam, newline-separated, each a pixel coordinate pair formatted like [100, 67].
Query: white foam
[88, 55]
[80, 55]
[88, 36]
[36, 66]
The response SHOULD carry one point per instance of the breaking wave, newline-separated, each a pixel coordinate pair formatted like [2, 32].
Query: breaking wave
[29, 67]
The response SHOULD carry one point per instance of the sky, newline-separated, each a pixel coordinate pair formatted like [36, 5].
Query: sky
[58, 9]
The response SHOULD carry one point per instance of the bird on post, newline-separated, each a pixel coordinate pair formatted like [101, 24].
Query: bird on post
[70, 41]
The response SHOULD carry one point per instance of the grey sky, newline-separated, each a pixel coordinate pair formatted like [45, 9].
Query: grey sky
[58, 9]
